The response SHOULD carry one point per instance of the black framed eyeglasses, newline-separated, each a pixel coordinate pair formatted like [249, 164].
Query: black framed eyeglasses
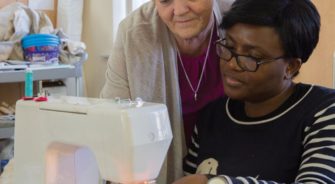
[246, 63]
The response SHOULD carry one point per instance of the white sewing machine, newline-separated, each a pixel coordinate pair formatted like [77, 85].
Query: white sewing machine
[72, 140]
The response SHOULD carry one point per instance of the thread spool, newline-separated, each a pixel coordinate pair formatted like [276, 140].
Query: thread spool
[28, 85]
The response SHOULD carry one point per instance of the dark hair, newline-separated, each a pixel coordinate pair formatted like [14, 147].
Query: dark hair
[296, 21]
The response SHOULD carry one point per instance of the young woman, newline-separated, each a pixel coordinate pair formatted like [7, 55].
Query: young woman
[268, 129]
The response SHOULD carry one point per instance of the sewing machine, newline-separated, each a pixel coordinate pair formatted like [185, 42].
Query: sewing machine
[72, 140]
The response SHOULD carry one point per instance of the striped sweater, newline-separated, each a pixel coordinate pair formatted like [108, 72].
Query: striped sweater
[293, 144]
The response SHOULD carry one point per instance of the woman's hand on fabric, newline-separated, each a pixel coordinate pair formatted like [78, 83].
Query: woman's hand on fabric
[192, 179]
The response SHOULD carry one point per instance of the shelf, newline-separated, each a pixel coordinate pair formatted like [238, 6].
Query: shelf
[42, 73]
[6, 130]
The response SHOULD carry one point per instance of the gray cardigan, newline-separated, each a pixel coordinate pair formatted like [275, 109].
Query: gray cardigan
[144, 64]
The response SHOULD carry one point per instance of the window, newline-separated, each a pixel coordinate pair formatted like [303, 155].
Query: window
[121, 8]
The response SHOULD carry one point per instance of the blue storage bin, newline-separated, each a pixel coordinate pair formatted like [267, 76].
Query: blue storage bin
[41, 48]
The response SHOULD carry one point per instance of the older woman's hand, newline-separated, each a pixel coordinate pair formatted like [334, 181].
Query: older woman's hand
[192, 179]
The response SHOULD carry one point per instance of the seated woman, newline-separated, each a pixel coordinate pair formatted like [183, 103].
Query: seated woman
[268, 129]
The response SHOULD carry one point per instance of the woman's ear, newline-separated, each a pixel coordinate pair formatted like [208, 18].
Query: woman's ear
[293, 68]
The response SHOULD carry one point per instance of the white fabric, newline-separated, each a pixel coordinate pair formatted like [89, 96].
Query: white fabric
[17, 20]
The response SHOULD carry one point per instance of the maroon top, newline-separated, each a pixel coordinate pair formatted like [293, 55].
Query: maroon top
[210, 88]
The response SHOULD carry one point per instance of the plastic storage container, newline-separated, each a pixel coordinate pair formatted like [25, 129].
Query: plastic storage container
[41, 48]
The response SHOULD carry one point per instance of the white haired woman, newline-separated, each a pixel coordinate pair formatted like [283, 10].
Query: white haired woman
[165, 52]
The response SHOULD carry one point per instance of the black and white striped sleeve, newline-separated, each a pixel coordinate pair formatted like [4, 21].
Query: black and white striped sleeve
[190, 166]
[318, 159]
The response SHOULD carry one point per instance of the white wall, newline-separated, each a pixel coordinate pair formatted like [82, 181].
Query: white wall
[98, 36]
[101, 19]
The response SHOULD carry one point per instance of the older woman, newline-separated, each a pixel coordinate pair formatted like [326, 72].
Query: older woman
[268, 129]
[165, 52]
